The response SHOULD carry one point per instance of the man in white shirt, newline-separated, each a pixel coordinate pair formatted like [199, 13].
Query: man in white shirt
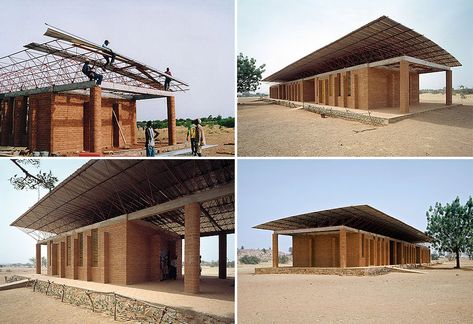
[109, 54]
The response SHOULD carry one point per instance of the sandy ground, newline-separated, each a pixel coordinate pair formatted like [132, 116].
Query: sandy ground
[440, 98]
[272, 130]
[439, 296]
[223, 137]
[22, 305]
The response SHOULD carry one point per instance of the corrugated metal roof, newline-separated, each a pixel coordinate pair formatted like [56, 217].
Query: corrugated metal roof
[103, 189]
[362, 217]
[380, 39]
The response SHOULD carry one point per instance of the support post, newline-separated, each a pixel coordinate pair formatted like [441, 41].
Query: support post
[62, 267]
[343, 247]
[222, 256]
[88, 258]
[404, 87]
[275, 250]
[171, 120]
[38, 258]
[448, 87]
[75, 257]
[192, 248]
[105, 274]
[95, 110]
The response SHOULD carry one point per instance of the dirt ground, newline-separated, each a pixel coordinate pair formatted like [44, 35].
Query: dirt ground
[439, 296]
[22, 305]
[223, 137]
[273, 130]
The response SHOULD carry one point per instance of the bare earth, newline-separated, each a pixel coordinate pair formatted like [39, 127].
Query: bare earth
[223, 137]
[273, 130]
[22, 305]
[439, 296]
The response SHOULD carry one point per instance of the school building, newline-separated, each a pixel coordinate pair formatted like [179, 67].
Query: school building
[375, 66]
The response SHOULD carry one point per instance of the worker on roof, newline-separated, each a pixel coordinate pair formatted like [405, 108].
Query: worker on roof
[108, 54]
[150, 135]
[192, 136]
[89, 72]
[167, 82]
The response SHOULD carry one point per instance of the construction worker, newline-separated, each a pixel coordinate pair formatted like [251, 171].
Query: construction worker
[109, 51]
[89, 72]
[150, 135]
[167, 82]
[200, 137]
[192, 136]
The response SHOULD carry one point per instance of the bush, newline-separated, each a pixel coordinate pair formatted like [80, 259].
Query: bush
[435, 256]
[249, 259]
[231, 264]
[283, 259]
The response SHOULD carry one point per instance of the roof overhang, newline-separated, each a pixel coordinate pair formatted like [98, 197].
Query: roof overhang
[155, 191]
[360, 217]
[379, 40]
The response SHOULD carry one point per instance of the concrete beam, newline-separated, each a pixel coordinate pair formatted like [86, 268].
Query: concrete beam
[54, 88]
[138, 90]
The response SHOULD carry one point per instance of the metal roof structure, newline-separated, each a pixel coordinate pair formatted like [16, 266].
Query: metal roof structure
[378, 40]
[138, 189]
[361, 217]
[58, 62]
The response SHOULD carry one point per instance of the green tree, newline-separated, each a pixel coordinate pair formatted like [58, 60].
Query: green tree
[33, 261]
[249, 259]
[451, 227]
[248, 74]
[44, 262]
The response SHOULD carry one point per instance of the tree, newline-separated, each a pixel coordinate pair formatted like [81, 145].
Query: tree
[248, 74]
[44, 262]
[451, 227]
[249, 259]
[33, 261]
[29, 181]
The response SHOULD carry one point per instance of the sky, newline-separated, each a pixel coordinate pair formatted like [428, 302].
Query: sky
[404, 189]
[279, 32]
[194, 38]
[18, 247]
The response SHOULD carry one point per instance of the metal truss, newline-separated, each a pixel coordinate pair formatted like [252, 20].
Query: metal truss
[37, 235]
[59, 62]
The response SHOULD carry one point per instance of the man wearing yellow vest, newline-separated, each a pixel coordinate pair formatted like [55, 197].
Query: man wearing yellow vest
[197, 137]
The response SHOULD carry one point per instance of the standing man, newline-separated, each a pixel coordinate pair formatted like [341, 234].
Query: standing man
[150, 136]
[109, 54]
[192, 135]
[200, 137]
[167, 82]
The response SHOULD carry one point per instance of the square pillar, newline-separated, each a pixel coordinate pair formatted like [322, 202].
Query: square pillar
[62, 264]
[7, 121]
[95, 117]
[179, 258]
[106, 263]
[38, 258]
[171, 120]
[75, 257]
[192, 248]
[343, 248]
[54, 257]
[88, 258]
[222, 256]
[404, 87]
[448, 87]
[275, 251]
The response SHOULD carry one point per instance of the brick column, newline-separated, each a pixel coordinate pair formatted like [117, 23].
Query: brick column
[134, 139]
[192, 248]
[448, 87]
[343, 248]
[75, 257]
[88, 257]
[105, 269]
[345, 90]
[222, 256]
[38, 258]
[171, 120]
[404, 87]
[32, 125]
[62, 266]
[48, 256]
[54, 258]
[7, 122]
[275, 250]
[179, 258]
[95, 117]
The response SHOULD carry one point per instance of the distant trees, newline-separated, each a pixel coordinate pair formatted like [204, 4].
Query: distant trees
[451, 227]
[249, 259]
[283, 258]
[228, 122]
[248, 74]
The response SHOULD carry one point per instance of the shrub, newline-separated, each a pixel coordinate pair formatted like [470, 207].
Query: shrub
[283, 259]
[249, 259]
